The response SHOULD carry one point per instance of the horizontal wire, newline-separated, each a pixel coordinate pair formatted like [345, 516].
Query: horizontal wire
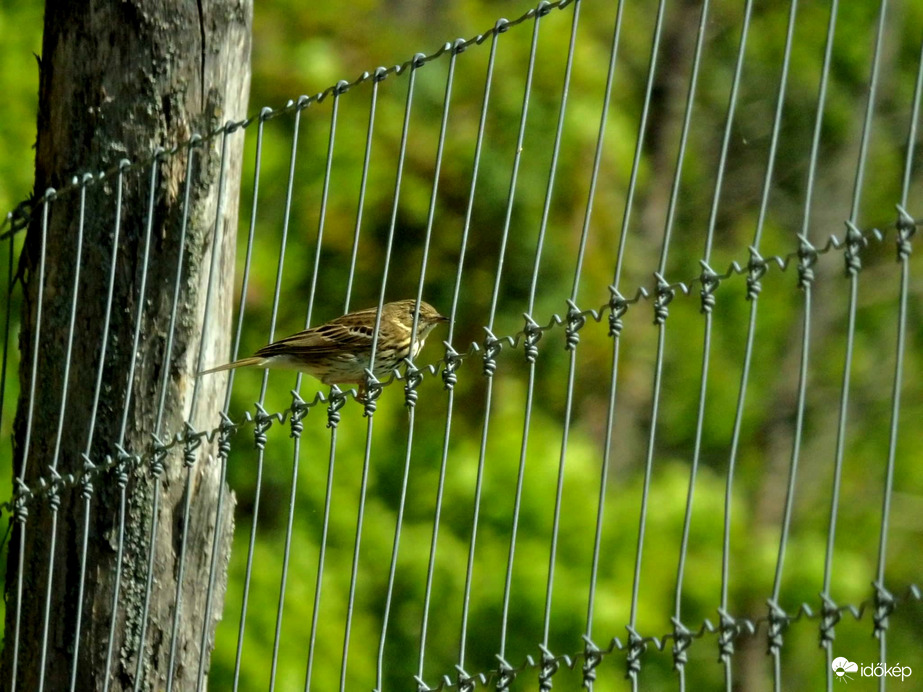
[743, 626]
[20, 217]
[25, 495]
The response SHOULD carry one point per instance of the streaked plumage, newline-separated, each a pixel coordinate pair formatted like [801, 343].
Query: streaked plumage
[339, 351]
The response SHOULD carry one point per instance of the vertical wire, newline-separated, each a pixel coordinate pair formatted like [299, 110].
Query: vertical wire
[805, 281]
[756, 269]
[517, 158]
[598, 152]
[449, 375]
[49, 197]
[149, 224]
[664, 295]
[248, 256]
[224, 442]
[158, 427]
[618, 303]
[187, 492]
[682, 639]
[328, 494]
[157, 465]
[263, 422]
[555, 151]
[241, 309]
[88, 466]
[639, 145]
[571, 344]
[69, 348]
[296, 422]
[177, 284]
[124, 459]
[54, 499]
[906, 229]
[369, 403]
[492, 347]
[589, 676]
[615, 318]
[217, 235]
[830, 613]
[411, 371]
[21, 511]
[335, 401]
[363, 183]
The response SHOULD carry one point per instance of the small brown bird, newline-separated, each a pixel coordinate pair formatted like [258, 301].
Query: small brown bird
[339, 351]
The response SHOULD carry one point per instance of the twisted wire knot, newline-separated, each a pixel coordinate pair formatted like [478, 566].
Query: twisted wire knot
[710, 283]
[505, 675]
[224, 436]
[682, 640]
[336, 402]
[665, 295]
[636, 647]
[21, 505]
[575, 322]
[190, 447]
[262, 424]
[756, 270]
[412, 379]
[727, 632]
[465, 682]
[299, 411]
[372, 392]
[54, 490]
[778, 620]
[906, 227]
[807, 258]
[491, 350]
[830, 616]
[618, 306]
[592, 657]
[158, 455]
[122, 466]
[532, 334]
[884, 606]
[855, 241]
[550, 666]
[452, 361]
[459, 45]
[86, 479]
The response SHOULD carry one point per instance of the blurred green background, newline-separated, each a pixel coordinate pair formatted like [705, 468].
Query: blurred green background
[304, 48]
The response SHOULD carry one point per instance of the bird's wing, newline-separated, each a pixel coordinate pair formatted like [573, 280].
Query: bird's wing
[327, 339]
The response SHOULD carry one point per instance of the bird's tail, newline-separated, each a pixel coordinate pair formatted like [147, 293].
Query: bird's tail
[242, 363]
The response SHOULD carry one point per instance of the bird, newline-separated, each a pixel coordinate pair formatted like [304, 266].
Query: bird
[339, 351]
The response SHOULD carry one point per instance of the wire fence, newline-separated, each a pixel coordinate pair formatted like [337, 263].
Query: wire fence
[569, 469]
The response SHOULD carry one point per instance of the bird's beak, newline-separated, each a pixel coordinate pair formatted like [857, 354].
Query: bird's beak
[443, 318]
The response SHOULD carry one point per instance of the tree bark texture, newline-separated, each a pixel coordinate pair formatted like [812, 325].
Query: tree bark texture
[120, 78]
